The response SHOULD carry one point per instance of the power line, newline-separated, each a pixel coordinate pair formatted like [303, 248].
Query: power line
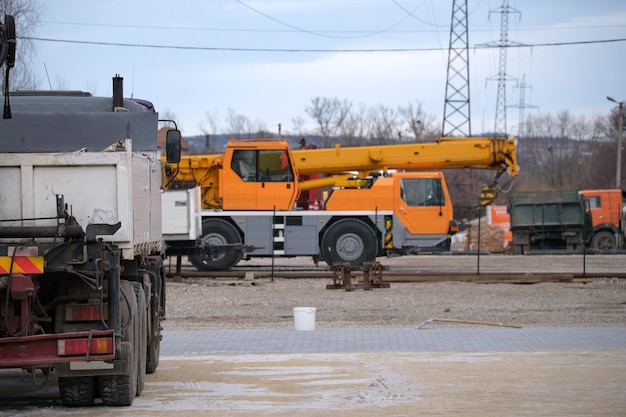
[374, 50]
[412, 14]
[363, 32]
[311, 32]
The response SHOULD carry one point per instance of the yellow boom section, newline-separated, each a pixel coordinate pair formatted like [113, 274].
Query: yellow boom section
[480, 153]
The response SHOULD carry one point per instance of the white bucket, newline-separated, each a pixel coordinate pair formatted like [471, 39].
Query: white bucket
[304, 318]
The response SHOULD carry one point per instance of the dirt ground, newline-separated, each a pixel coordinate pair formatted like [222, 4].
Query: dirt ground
[550, 383]
[490, 384]
[225, 304]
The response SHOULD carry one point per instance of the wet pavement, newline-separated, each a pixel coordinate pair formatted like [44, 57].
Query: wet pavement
[428, 338]
[430, 371]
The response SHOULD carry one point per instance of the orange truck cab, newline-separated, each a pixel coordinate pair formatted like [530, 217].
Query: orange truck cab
[607, 212]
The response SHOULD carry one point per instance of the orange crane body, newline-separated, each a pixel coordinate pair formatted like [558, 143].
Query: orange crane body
[248, 197]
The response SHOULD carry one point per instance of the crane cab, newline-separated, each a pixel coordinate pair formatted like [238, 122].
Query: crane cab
[258, 175]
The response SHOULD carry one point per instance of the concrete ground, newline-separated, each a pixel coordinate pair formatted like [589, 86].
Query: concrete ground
[432, 371]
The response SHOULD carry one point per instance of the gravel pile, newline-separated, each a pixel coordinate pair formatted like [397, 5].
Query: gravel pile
[197, 304]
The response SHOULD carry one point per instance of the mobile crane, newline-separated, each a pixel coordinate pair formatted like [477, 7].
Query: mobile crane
[247, 198]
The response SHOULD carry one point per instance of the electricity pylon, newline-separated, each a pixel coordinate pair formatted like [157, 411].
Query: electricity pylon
[456, 111]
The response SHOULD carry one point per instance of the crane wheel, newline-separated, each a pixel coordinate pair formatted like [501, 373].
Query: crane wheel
[221, 247]
[349, 241]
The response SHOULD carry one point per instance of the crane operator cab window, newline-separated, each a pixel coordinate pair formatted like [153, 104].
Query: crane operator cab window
[262, 165]
[244, 164]
[422, 192]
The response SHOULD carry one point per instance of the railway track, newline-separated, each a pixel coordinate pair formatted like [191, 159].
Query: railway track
[434, 268]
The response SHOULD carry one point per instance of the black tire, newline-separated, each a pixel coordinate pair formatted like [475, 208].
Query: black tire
[120, 390]
[603, 241]
[142, 331]
[156, 306]
[77, 391]
[349, 241]
[222, 247]
[152, 357]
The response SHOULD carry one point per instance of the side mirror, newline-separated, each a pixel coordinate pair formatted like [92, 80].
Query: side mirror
[172, 146]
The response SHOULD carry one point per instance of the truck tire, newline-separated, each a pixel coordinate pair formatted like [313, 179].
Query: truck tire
[154, 341]
[77, 391]
[142, 345]
[120, 390]
[152, 357]
[349, 241]
[222, 247]
[603, 241]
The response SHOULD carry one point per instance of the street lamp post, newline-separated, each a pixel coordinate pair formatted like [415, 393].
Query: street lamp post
[620, 130]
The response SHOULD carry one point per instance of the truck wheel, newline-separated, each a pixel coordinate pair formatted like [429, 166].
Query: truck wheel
[120, 390]
[154, 329]
[603, 241]
[221, 247]
[77, 391]
[142, 345]
[152, 358]
[349, 241]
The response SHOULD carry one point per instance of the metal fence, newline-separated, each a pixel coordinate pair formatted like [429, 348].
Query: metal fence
[489, 263]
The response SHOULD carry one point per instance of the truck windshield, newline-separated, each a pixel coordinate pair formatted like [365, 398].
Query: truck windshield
[262, 165]
[422, 192]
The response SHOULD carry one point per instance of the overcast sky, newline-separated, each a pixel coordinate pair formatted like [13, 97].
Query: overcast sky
[266, 59]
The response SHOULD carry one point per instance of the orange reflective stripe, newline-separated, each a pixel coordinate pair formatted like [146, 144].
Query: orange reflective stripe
[21, 265]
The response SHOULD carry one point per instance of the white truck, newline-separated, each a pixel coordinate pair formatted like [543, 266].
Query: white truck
[82, 282]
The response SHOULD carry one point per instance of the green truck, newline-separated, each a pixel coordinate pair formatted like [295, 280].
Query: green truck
[549, 220]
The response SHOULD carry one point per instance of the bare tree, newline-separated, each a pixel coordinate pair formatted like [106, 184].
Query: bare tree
[418, 124]
[611, 131]
[329, 115]
[209, 128]
[560, 151]
[298, 128]
[260, 128]
[353, 130]
[60, 83]
[169, 115]
[92, 85]
[237, 124]
[384, 125]
[241, 126]
[27, 14]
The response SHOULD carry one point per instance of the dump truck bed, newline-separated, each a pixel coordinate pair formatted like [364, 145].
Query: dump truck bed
[565, 207]
[96, 188]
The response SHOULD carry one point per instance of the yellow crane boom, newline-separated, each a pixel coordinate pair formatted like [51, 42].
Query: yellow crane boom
[481, 153]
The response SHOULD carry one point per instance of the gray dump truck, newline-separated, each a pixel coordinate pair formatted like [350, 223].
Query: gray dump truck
[82, 283]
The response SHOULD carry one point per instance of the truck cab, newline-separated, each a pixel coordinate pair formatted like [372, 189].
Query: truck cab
[258, 175]
[607, 214]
